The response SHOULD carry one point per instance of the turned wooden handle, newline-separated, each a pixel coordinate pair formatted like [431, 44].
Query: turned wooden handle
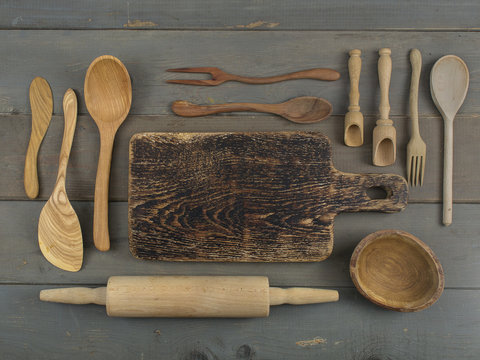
[354, 69]
[185, 108]
[189, 296]
[315, 74]
[384, 74]
[301, 296]
[101, 236]
[416, 62]
[448, 171]
[41, 102]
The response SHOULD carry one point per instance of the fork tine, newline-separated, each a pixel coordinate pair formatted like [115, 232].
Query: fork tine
[422, 170]
[207, 70]
[417, 170]
[193, 82]
[409, 170]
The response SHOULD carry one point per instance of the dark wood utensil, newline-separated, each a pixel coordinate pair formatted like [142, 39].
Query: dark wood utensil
[243, 196]
[220, 76]
[302, 110]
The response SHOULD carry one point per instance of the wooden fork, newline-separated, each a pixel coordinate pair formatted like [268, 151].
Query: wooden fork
[416, 148]
[220, 76]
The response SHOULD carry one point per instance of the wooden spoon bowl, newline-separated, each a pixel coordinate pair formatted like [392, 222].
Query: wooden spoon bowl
[397, 271]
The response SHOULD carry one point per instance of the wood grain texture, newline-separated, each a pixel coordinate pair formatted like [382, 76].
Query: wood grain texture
[108, 97]
[243, 196]
[350, 328]
[301, 110]
[59, 231]
[265, 15]
[22, 262]
[83, 162]
[228, 49]
[396, 270]
[219, 76]
[41, 102]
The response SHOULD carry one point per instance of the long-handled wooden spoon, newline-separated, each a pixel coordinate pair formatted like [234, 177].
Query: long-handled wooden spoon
[448, 84]
[384, 134]
[41, 102]
[302, 110]
[59, 233]
[108, 96]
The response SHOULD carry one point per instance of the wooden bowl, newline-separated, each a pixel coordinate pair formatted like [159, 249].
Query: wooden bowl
[397, 271]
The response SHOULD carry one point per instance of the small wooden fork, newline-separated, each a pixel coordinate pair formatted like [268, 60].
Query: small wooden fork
[416, 148]
[220, 76]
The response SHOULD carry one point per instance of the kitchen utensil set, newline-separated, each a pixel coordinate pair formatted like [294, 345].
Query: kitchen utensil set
[236, 201]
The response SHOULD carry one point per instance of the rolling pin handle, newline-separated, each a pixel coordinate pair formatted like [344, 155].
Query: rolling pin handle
[301, 296]
[78, 296]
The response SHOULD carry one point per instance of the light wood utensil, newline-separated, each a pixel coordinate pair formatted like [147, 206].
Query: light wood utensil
[354, 119]
[41, 102]
[449, 85]
[189, 296]
[416, 148]
[108, 96]
[384, 134]
[59, 233]
[302, 110]
[220, 76]
[397, 271]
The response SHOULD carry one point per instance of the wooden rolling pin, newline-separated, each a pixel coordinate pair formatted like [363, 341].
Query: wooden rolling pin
[188, 296]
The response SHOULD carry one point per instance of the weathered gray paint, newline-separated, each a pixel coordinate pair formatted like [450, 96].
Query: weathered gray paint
[241, 15]
[62, 57]
[350, 329]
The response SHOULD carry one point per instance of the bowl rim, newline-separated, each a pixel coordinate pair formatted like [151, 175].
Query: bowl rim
[367, 240]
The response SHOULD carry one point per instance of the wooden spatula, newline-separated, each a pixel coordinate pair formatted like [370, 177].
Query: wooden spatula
[41, 102]
[59, 233]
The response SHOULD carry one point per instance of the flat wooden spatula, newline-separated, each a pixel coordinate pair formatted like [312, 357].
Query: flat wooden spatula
[268, 196]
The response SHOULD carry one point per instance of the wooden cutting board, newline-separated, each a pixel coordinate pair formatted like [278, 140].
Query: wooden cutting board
[243, 196]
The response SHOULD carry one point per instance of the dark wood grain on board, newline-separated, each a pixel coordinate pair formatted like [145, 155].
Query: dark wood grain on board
[243, 196]
[62, 58]
[83, 160]
[352, 328]
[21, 261]
[241, 15]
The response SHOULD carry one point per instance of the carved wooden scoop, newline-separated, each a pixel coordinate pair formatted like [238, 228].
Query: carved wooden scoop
[59, 233]
[302, 110]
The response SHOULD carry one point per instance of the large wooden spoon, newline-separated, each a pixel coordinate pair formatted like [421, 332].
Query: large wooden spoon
[108, 96]
[41, 102]
[59, 233]
[448, 84]
[302, 110]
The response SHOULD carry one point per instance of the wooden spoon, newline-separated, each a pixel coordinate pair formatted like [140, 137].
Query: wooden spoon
[41, 102]
[108, 96]
[302, 110]
[448, 84]
[59, 233]
[384, 134]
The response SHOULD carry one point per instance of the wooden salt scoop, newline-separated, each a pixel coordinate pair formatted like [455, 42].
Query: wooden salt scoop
[354, 119]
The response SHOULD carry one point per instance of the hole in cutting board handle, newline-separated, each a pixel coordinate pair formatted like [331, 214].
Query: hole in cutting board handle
[377, 193]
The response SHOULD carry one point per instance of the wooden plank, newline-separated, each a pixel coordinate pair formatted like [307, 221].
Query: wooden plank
[62, 57]
[347, 329]
[22, 262]
[240, 15]
[83, 161]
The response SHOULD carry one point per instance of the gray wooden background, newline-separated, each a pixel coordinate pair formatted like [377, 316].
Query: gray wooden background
[58, 40]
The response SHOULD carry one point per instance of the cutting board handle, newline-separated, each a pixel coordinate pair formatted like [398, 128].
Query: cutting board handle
[355, 192]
